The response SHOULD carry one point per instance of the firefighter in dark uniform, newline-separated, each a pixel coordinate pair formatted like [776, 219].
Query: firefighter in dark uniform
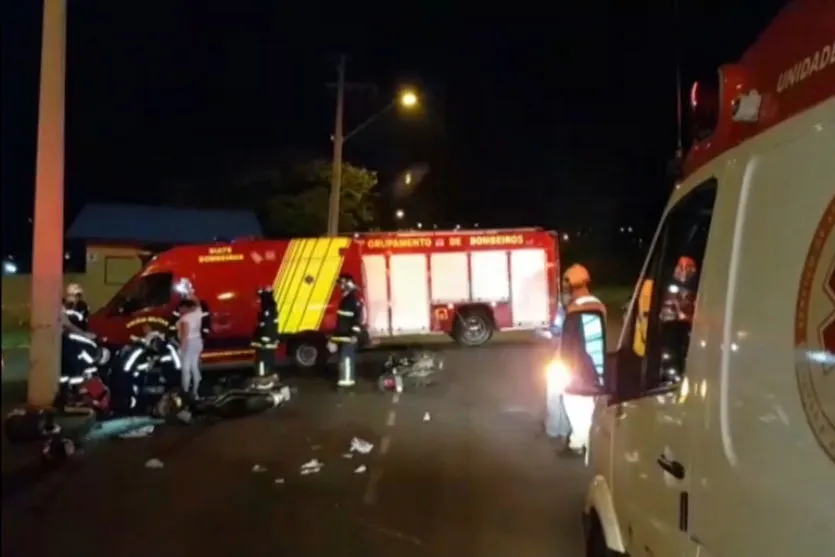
[349, 318]
[265, 341]
[75, 307]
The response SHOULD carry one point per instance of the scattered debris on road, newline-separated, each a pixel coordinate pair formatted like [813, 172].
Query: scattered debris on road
[347, 455]
[184, 416]
[361, 446]
[139, 432]
[426, 417]
[154, 463]
[360, 469]
[258, 469]
[313, 466]
[279, 480]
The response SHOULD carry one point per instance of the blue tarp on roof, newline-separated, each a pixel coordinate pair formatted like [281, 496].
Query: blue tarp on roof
[161, 225]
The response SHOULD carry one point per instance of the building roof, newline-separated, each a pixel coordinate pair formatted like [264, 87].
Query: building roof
[161, 225]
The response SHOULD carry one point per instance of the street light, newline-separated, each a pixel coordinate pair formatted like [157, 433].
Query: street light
[399, 214]
[407, 99]
[408, 178]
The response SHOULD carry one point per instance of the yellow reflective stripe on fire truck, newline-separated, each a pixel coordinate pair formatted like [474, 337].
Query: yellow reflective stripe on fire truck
[294, 275]
[304, 281]
[290, 305]
[280, 282]
[325, 282]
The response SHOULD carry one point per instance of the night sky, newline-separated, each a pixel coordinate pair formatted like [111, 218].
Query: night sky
[562, 118]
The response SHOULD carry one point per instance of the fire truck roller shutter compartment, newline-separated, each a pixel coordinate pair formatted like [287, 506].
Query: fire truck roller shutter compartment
[529, 288]
[489, 276]
[376, 293]
[409, 294]
[449, 278]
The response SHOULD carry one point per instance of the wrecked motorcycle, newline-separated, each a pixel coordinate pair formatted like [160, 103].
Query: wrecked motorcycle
[415, 369]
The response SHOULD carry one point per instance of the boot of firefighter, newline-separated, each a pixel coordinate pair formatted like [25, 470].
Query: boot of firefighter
[347, 366]
[265, 374]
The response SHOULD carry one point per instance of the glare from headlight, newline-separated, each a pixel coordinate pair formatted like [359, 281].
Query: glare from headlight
[557, 376]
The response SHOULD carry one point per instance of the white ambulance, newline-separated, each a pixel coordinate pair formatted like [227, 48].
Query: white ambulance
[714, 430]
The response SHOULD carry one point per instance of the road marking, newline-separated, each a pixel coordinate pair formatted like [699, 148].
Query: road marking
[370, 496]
[385, 444]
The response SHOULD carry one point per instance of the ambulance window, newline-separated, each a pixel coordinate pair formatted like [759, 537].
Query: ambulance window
[663, 312]
[149, 291]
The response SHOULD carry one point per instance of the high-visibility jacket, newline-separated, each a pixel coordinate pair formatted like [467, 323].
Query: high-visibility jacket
[593, 330]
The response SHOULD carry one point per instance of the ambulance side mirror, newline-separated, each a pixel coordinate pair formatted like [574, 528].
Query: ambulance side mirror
[583, 351]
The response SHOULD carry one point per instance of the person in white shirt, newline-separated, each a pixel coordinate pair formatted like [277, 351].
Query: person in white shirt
[191, 345]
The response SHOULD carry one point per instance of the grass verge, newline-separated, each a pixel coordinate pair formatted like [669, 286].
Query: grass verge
[15, 338]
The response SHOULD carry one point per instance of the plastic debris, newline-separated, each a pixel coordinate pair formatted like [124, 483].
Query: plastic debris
[184, 416]
[154, 463]
[426, 417]
[137, 433]
[347, 455]
[360, 469]
[258, 469]
[312, 466]
[361, 446]
[279, 480]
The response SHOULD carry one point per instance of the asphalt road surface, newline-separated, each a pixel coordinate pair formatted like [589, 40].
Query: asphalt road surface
[456, 470]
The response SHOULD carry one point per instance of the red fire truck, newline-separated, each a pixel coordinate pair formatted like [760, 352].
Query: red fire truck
[467, 284]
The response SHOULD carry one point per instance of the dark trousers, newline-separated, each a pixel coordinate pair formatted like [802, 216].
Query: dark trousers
[265, 361]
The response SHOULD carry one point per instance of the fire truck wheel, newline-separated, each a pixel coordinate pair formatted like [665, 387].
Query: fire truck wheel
[308, 353]
[473, 327]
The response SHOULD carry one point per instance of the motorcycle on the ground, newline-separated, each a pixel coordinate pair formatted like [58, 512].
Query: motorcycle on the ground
[414, 369]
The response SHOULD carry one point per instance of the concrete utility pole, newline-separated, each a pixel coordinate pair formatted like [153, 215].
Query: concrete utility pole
[48, 241]
[338, 141]
[407, 99]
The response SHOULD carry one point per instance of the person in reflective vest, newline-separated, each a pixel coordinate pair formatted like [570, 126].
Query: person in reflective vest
[560, 406]
[265, 336]
[349, 318]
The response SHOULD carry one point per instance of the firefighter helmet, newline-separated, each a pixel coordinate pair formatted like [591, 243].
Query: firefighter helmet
[346, 282]
[74, 289]
[576, 276]
[184, 287]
